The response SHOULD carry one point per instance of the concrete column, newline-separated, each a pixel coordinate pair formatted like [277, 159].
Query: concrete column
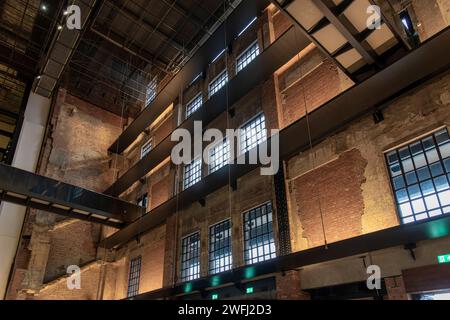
[26, 158]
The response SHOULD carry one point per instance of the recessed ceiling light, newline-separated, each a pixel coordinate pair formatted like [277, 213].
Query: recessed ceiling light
[44, 7]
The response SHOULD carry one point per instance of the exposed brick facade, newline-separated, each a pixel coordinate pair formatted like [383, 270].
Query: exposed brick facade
[338, 190]
[331, 195]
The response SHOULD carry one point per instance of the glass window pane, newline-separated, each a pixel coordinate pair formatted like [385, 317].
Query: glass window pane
[423, 174]
[442, 137]
[420, 161]
[259, 244]
[426, 176]
[408, 165]
[405, 210]
[436, 169]
[441, 183]
[190, 257]
[445, 150]
[392, 157]
[402, 196]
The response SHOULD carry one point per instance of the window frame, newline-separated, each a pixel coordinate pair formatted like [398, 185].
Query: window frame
[210, 272]
[247, 263]
[192, 102]
[199, 257]
[419, 183]
[255, 43]
[247, 123]
[152, 86]
[134, 275]
[143, 153]
[222, 73]
[185, 187]
[224, 141]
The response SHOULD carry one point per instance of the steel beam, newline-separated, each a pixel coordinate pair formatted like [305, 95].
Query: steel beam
[367, 56]
[388, 238]
[31, 190]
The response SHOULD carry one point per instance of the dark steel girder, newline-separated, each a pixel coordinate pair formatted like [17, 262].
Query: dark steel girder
[146, 24]
[426, 61]
[368, 56]
[34, 191]
[18, 61]
[384, 239]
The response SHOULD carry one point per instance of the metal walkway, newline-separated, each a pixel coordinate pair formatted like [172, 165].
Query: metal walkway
[42, 193]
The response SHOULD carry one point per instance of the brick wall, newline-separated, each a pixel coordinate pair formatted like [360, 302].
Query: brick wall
[348, 169]
[308, 84]
[75, 152]
[331, 194]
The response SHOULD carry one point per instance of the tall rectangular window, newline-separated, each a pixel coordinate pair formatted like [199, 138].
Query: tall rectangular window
[253, 133]
[219, 156]
[151, 91]
[259, 244]
[218, 83]
[247, 56]
[420, 175]
[134, 277]
[190, 257]
[220, 255]
[146, 148]
[194, 105]
[192, 173]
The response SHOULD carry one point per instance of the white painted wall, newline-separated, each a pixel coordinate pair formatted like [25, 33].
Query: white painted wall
[26, 158]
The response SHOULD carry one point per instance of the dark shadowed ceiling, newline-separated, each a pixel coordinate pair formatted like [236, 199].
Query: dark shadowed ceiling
[133, 42]
[125, 45]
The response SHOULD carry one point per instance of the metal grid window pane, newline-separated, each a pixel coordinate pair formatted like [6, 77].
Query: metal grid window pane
[190, 258]
[420, 176]
[146, 148]
[218, 83]
[151, 91]
[253, 133]
[248, 56]
[134, 277]
[259, 244]
[192, 173]
[220, 255]
[194, 105]
[219, 156]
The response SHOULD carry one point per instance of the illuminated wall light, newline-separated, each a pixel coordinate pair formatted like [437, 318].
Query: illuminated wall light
[188, 288]
[249, 290]
[44, 7]
[215, 296]
[215, 281]
[60, 27]
[249, 273]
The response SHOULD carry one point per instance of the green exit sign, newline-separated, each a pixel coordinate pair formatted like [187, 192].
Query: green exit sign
[445, 258]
